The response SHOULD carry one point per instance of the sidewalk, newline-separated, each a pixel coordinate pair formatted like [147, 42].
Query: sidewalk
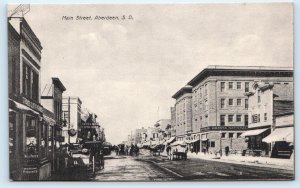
[249, 160]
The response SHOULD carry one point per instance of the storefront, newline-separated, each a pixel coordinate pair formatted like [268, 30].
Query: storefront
[281, 142]
[28, 135]
[254, 139]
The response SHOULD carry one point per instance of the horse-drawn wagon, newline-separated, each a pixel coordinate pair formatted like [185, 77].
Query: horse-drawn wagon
[178, 151]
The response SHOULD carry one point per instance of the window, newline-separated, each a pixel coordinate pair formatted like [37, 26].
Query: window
[256, 118]
[238, 118]
[212, 144]
[230, 102]
[230, 118]
[205, 91]
[222, 86]
[238, 135]
[238, 85]
[258, 96]
[222, 120]
[246, 86]
[230, 85]
[265, 116]
[222, 103]
[30, 83]
[246, 120]
[223, 135]
[246, 103]
[239, 102]
[230, 135]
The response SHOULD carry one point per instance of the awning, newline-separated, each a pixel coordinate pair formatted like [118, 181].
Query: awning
[171, 140]
[23, 107]
[281, 134]
[253, 132]
[182, 143]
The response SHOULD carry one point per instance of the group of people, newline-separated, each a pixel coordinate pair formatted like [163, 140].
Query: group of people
[121, 149]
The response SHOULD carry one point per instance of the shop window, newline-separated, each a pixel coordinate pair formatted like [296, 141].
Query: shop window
[246, 86]
[238, 118]
[230, 85]
[239, 102]
[238, 85]
[12, 134]
[222, 86]
[212, 144]
[238, 135]
[31, 137]
[230, 118]
[230, 102]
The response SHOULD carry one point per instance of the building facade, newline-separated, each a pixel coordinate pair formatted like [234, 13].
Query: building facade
[51, 99]
[267, 100]
[183, 112]
[71, 112]
[220, 108]
[28, 132]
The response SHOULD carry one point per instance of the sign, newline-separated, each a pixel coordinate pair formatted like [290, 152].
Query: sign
[219, 128]
[23, 9]
[90, 125]
[32, 105]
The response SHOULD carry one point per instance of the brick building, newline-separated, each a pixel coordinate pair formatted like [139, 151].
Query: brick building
[28, 132]
[219, 108]
[183, 112]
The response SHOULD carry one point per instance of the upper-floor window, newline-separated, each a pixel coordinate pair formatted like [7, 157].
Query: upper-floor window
[230, 118]
[255, 118]
[246, 103]
[239, 102]
[222, 120]
[222, 103]
[230, 102]
[258, 96]
[222, 86]
[238, 85]
[223, 135]
[230, 135]
[230, 85]
[30, 82]
[265, 116]
[246, 86]
[238, 118]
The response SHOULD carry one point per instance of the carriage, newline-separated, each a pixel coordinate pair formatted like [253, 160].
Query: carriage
[178, 151]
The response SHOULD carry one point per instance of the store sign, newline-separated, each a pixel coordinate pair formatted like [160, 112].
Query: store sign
[220, 128]
[32, 105]
[90, 125]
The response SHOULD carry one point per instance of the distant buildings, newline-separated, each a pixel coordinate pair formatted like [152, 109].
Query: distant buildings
[71, 109]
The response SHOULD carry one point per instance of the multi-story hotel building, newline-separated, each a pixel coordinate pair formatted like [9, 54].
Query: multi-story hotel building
[213, 109]
[183, 112]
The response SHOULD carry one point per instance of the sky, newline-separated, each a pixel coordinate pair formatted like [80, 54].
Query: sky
[126, 71]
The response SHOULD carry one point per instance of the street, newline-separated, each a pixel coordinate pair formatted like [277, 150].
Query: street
[158, 168]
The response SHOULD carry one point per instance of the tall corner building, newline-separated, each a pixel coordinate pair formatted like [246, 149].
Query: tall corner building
[211, 111]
